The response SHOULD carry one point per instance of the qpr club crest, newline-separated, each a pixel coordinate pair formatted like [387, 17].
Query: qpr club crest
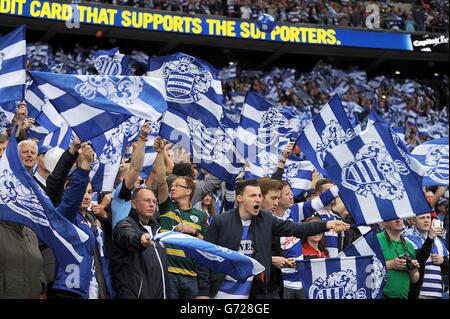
[2, 56]
[20, 199]
[268, 129]
[338, 285]
[332, 135]
[185, 81]
[107, 65]
[373, 171]
[210, 144]
[376, 277]
[123, 91]
[268, 162]
[112, 152]
[437, 161]
[292, 169]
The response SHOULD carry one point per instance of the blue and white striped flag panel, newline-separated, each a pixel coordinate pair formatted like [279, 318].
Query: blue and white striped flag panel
[40, 108]
[143, 97]
[214, 257]
[193, 86]
[376, 182]
[366, 245]
[59, 138]
[150, 153]
[110, 148]
[339, 278]
[299, 174]
[434, 156]
[328, 129]
[22, 201]
[12, 66]
[212, 148]
[110, 62]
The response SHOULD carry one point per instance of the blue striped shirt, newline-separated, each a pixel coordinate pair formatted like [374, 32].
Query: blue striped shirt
[432, 281]
[231, 288]
[292, 246]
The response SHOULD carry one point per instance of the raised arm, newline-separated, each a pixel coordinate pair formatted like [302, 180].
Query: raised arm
[439, 193]
[307, 209]
[160, 169]
[288, 149]
[73, 195]
[56, 180]
[137, 157]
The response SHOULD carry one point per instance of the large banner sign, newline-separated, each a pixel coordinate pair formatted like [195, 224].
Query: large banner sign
[205, 26]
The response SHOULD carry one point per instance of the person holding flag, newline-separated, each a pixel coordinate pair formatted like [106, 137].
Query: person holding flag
[249, 230]
[21, 274]
[177, 213]
[90, 278]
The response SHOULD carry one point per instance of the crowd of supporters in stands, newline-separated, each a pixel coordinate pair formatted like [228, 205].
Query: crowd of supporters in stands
[399, 15]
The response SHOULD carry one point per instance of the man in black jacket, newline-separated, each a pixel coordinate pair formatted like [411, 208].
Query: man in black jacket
[138, 264]
[229, 230]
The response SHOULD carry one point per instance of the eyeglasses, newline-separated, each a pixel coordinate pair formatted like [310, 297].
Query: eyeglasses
[177, 185]
[148, 201]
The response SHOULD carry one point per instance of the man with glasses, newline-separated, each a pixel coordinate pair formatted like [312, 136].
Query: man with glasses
[177, 213]
[139, 265]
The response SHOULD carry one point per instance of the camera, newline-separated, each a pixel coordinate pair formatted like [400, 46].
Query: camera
[409, 264]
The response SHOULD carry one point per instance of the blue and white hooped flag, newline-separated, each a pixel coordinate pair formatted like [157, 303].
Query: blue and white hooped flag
[337, 278]
[59, 138]
[377, 181]
[299, 174]
[94, 104]
[23, 202]
[328, 129]
[368, 245]
[214, 257]
[150, 153]
[213, 148]
[12, 66]
[434, 156]
[110, 148]
[110, 62]
[261, 127]
[192, 86]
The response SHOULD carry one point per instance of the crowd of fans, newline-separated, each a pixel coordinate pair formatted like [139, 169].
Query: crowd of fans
[121, 258]
[410, 16]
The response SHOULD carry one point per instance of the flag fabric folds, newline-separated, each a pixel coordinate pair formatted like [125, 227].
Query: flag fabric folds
[260, 133]
[214, 257]
[368, 245]
[59, 138]
[434, 156]
[110, 148]
[328, 129]
[337, 278]
[299, 173]
[12, 66]
[375, 178]
[110, 62]
[212, 148]
[94, 104]
[22, 201]
[193, 86]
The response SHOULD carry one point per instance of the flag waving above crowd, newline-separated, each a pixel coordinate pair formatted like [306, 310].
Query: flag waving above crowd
[141, 150]
[374, 178]
[12, 66]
